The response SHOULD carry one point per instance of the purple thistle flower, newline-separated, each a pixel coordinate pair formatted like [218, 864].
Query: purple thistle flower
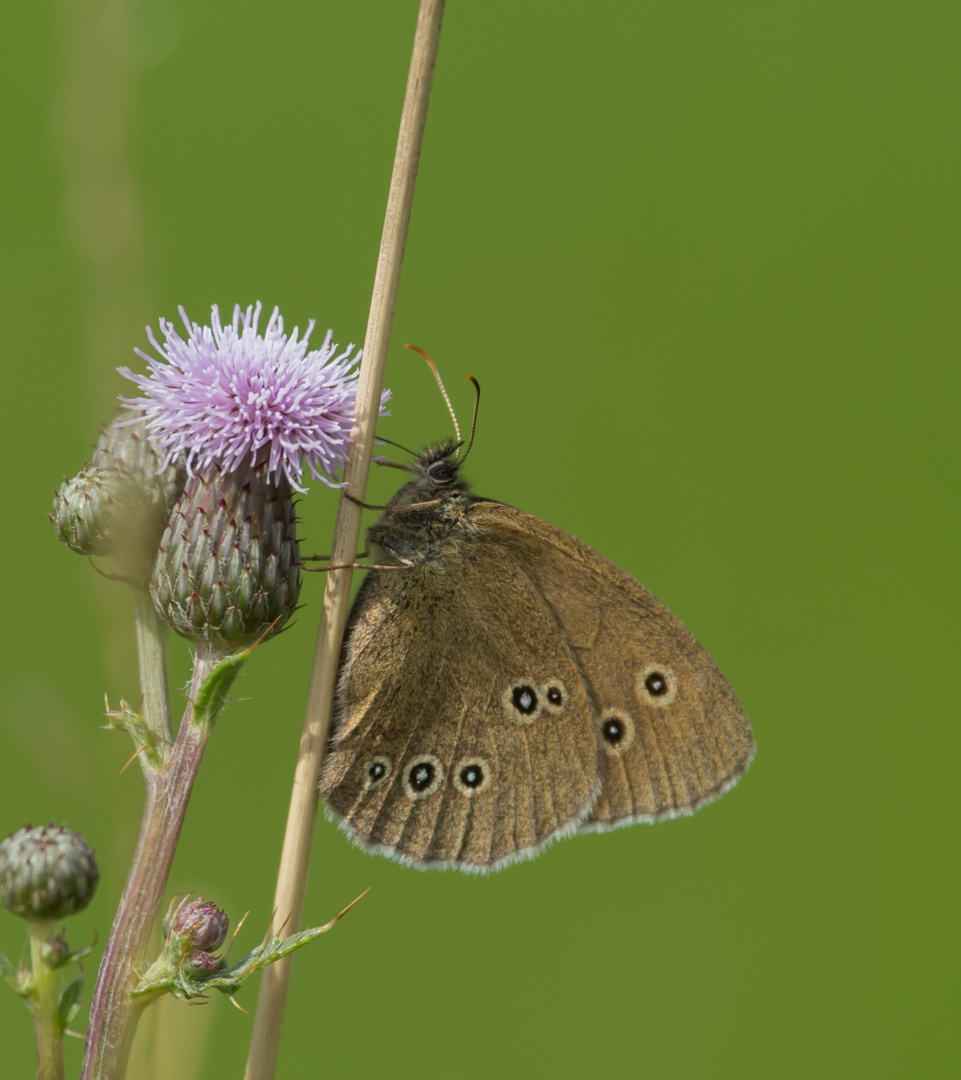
[226, 395]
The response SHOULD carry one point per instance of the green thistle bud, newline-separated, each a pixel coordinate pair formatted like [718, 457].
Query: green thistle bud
[126, 449]
[46, 872]
[120, 504]
[229, 562]
[90, 511]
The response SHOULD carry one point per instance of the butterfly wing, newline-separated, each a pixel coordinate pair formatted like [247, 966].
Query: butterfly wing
[670, 730]
[463, 727]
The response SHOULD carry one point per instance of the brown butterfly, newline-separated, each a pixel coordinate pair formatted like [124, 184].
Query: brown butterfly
[503, 685]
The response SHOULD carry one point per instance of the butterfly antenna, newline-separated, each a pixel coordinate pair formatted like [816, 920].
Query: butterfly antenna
[473, 423]
[390, 442]
[440, 383]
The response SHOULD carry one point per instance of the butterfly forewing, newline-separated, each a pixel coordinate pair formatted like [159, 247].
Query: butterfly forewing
[670, 732]
[464, 730]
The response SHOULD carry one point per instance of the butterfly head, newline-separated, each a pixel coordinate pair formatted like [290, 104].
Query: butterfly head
[435, 474]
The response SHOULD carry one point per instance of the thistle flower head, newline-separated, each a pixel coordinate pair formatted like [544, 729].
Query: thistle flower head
[227, 395]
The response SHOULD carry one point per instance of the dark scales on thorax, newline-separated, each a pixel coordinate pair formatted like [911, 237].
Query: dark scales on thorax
[417, 536]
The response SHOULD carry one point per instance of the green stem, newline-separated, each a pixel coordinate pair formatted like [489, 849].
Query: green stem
[114, 1013]
[44, 1003]
[152, 633]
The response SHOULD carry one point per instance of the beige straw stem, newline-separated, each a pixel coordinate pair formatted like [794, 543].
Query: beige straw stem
[292, 878]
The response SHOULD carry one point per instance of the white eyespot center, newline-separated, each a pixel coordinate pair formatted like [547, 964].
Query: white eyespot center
[378, 771]
[616, 730]
[656, 685]
[523, 700]
[471, 776]
[554, 693]
[423, 775]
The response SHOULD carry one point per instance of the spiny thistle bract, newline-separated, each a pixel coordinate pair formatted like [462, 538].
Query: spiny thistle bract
[228, 569]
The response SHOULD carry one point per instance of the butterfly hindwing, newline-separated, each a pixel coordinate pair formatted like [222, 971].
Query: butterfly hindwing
[670, 731]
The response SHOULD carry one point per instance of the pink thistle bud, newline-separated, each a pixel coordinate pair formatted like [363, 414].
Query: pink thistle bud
[201, 924]
[202, 963]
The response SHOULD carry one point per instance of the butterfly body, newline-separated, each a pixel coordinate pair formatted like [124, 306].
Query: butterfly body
[502, 685]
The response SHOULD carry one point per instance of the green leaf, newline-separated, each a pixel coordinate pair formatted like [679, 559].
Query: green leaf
[10, 973]
[212, 697]
[69, 1003]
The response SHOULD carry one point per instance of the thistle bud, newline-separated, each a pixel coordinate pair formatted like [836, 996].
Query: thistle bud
[120, 504]
[193, 929]
[200, 923]
[229, 561]
[202, 963]
[125, 449]
[46, 872]
[92, 510]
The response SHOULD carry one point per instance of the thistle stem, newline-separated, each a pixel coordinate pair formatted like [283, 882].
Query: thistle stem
[292, 878]
[152, 633]
[114, 1013]
[43, 1002]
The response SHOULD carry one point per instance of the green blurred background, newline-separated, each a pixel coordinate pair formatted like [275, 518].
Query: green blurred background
[703, 259]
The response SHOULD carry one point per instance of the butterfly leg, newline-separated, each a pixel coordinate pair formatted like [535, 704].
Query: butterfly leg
[360, 502]
[401, 564]
[340, 566]
[324, 558]
[355, 566]
[393, 509]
